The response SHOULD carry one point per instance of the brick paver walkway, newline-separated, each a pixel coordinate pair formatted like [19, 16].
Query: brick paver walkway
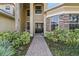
[38, 47]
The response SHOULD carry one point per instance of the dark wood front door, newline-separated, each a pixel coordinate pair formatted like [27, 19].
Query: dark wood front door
[39, 28]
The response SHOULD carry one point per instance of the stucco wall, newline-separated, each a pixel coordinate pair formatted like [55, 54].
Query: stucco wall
[39, 18]
[6, 23]
[54, 11]
[71, 8]
[65, 8]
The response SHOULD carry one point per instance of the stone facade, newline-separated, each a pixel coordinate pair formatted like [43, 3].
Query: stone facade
[64, 21]
[48, 24]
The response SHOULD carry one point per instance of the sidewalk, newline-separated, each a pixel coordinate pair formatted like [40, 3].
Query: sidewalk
[38, 47]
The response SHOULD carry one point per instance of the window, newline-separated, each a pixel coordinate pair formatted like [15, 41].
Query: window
[28, 25]
[7, 8]
[54, 22]
[38, 9]
[74, 20]
[28, 12]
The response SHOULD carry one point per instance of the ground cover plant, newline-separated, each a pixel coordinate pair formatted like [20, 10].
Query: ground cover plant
[63, 42]
[14, 43]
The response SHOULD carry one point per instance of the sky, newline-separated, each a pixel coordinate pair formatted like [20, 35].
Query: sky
[52, 5]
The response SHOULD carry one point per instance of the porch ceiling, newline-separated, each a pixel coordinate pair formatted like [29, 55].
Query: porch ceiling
[27, 5]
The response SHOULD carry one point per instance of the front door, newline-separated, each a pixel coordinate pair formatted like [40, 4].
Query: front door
[39, 28]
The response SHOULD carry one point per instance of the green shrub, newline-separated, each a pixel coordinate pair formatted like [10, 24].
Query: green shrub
[57, 35]
[15, 35]
[5, 36]
[21, 39]
[14, 40]
[17, 38]
[6, 48]
[51, 36]
[63, 42]
[25, 38]
[70, 38]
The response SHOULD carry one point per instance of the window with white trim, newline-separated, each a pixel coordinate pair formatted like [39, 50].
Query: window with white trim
[38, 9]
[54, 22]
[74, 21]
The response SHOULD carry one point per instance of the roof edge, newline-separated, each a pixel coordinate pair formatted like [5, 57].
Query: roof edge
[54, 7]
[62, 4]
[6, 13]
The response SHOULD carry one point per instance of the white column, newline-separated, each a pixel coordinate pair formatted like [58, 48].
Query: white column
[31, 19]
[17, 17]
[50, 22]
[44, 25]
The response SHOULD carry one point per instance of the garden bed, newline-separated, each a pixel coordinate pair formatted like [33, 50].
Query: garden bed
[22, 50]
[14, 43]
[58, 49]
[63, 43]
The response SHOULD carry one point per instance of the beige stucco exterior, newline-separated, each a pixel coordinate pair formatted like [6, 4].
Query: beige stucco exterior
[45, 16]
[63, 9]
[32, 19]
[6, 23]
[21, 18]
[38, 18]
